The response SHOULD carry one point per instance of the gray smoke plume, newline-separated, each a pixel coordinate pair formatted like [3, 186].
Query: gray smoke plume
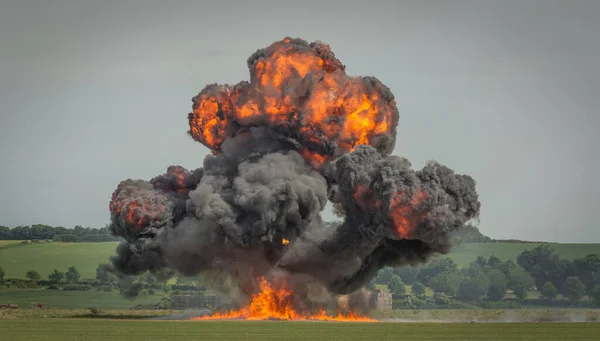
[394, 216]
[300, 133]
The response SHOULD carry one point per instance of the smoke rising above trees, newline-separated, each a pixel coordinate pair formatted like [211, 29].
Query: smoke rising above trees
[298, 134]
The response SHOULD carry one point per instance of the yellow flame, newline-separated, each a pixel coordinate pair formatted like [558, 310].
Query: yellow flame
[285, 241]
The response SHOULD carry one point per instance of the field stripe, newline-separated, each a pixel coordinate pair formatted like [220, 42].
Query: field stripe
[88, 329]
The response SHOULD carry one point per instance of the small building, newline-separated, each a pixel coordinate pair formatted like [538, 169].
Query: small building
[369, 299]
[382, 300]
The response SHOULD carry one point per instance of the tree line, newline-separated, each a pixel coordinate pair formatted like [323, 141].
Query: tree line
[57, 233]
[493, 283]
[469, 234]
[539, 277]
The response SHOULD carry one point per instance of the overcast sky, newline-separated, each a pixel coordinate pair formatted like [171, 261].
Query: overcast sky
[94, 92]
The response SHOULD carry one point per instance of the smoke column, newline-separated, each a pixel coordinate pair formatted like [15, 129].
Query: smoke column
[298, 134]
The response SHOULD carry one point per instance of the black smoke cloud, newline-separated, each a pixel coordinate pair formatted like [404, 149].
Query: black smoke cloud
[371, 189]
[231, 216]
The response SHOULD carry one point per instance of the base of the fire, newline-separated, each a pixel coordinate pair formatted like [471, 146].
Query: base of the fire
[276, 304]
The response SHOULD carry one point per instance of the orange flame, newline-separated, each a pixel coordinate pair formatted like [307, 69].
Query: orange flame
[285, 241]
[136, 214]
[338, 110]
[276, 304]
[405, 217]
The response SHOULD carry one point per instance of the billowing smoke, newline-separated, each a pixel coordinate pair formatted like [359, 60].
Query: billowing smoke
[300, 133]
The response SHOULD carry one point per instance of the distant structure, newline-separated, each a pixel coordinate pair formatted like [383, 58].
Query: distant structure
[183, 302]
[382, 300]
[371, 299]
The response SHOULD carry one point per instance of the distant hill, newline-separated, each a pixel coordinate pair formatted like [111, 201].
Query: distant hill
[466, 253]
[471, 234]
[44, 257]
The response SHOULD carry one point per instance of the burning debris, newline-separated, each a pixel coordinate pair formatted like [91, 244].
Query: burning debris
[299, 133]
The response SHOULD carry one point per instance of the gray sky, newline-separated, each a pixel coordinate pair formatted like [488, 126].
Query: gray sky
[93, 92]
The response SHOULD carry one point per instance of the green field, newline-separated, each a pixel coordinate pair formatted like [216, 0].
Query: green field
[98, 329]
[45, 257]
[85, 257]
[73, 299]
[467, 253]
[5, 243]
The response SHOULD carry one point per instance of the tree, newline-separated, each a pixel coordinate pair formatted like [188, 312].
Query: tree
[103, 275]
[441, 298]
[396, 287]
[548, 291]
[56, 276]
[474, 288]
[446, 283]
[384, 275]
[33, 276]
[494, 261]
[130, 287]
[445, 265]
[562, 269]
[595, 294]
[418, 289]
[587, 269]
[66, 238]
[408, 274]
[5, 233]
[498, 285]
[481, 261]
[573, 289]
[520, 281]
[544, 265]
[1, 274]
[506, 267]
[72, 274]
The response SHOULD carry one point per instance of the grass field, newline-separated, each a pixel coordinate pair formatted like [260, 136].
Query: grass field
[5, 243]
[98, 329]
[86, 256]
[467, 253]
[46, 257]
[73, 299]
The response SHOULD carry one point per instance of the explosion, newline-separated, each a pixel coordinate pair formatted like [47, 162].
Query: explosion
[277, 304]
[298, 134]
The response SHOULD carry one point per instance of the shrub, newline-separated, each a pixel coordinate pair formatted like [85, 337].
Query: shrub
[418, 289]
[446, 283]
[396, 287]
[595, 295]
[184, 287]
[417, 303]
[66, 238]
[498, 285]
[20, 283]
[441, 298]
[95, 311]
[33, 276]
[573, 289]
[72, 274]
[548, 291]
[77, 287]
